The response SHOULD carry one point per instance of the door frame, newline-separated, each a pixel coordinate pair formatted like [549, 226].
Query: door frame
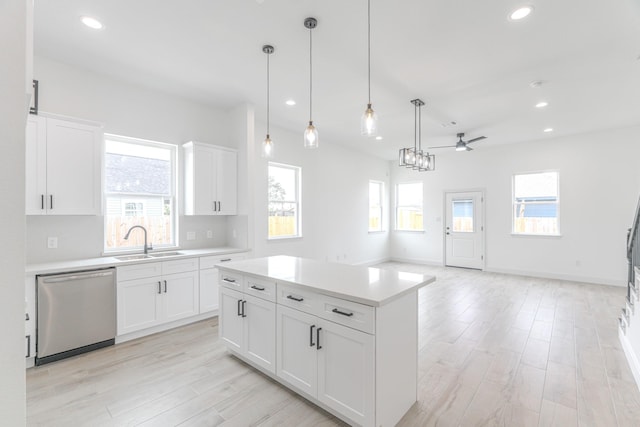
[483, 225]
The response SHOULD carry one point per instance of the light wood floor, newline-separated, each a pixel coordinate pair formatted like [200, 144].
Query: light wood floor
[494, 350]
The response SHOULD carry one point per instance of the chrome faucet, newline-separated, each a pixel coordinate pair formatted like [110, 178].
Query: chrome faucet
[146, 247]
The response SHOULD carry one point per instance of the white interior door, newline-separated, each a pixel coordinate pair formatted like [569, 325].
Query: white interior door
[464, 229]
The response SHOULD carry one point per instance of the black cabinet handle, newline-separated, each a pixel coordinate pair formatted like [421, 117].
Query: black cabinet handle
[244, 314]
[311, 343]
[335, 310]
[318, 346]
[50, 201]
[257, 288]
[295, 298]
[239, 310]
[219, 206]
[159, 287]
[225, 260]
[165, 286]
[226, 279]
[42, 201]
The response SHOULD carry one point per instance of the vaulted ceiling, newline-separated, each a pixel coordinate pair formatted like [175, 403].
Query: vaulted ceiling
[466, 59]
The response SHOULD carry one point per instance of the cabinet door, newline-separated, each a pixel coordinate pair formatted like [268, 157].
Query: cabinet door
[346, 372]
[36, 165]
[180, 293]
[209, 300]
[231, 318]
[296, 353]
[227, 182]
[139, 304]
[204, 162]
[73, 168]
[260, 332]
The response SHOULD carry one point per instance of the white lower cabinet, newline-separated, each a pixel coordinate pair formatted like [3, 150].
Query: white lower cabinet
[209, 291]
[147, 297]
[328, 361]
[248, 327]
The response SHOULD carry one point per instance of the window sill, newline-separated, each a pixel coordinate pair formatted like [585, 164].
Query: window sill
[377, 231]
[410, 231]
[279, 239]
[556, 236]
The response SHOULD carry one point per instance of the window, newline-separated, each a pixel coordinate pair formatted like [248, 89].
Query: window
[535, 203]
[139, 190]
[462, 210]
[409, 207]
[284, 201]
[375, 205]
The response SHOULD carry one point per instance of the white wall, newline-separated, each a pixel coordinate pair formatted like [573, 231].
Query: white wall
[12, 259]
[335, 192]
[599, 189]
[128, 110]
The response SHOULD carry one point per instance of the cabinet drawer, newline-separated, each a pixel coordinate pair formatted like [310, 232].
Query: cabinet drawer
[139, 271]
[352, 314]
[211, 261]
[260, 288]
[231, 280]
[180, 265]
[302, 300]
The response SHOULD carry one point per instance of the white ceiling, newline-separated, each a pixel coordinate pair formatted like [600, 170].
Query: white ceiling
[464, 58]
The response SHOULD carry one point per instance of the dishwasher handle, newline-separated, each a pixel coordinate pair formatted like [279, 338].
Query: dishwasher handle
[58, 279]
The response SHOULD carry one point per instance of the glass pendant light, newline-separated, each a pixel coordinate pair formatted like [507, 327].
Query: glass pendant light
[267, 144]
[369, 119]
[310, 133]
[413, 157]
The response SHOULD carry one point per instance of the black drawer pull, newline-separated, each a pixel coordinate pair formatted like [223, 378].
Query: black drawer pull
[244, 314]
[257, 288]
[335, 310]
[225, 260]
[159, 287]
[318, 346]
[311, 343]
[226, 279]
[239, 303]
[295, 298]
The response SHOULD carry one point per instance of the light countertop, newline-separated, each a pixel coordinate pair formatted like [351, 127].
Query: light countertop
[366, 285]
[112, 261]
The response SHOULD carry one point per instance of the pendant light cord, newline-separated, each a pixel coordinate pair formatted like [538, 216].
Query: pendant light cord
[420, 127]
[268, 93]
[310, 75]
[369, 46]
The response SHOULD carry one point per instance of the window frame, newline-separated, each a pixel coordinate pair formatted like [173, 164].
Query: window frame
[398, 207]
[131, 197]
[297, 202]
[514, 203]
[380, 207]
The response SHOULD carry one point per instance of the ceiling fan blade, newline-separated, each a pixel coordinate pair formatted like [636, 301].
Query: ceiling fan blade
[442, 146]
[476, 139]
[469, 148]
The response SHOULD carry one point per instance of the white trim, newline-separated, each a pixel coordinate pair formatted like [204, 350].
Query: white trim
[632, 359]
[568, 277]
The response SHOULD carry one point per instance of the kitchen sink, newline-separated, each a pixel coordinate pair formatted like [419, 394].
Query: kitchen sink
[163, 254]
[132, 257]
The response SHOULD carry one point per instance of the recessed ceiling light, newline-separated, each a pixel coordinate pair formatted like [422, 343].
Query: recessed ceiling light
[521, 12]
[92, 22]
[547, 130]
[379, 138]
[290, 102]
[542, 104]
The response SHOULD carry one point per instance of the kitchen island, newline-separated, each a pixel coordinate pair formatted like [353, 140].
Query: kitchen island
[344, 337]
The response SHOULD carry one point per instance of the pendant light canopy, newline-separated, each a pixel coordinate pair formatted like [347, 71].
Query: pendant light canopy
[369, 119]
[310, 133]
[267, 144]
[415, 158]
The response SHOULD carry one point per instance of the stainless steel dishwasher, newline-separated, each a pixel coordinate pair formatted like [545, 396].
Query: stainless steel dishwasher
[76, 313]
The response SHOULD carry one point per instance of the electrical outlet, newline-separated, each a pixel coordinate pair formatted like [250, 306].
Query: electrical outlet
[191, 235]
[52, 242]
[209, 234]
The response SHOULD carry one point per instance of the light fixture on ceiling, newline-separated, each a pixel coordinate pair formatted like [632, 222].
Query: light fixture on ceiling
[415, 158]
[92, 22]
[290, 102]
[542, 104]
[310, 133]
[369, 119]
[267, 144]
[378, 138]
[547, 130]
[520, 13]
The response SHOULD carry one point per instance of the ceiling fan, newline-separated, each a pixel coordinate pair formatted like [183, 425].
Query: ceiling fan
[462, 145]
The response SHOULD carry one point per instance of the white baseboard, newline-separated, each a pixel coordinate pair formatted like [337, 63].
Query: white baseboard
[568, 277]
[632, 359]
[434, 262]
[165, 327]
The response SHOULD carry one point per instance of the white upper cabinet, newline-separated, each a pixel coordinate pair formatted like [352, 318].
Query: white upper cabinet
[63, 167]
[210, 179]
